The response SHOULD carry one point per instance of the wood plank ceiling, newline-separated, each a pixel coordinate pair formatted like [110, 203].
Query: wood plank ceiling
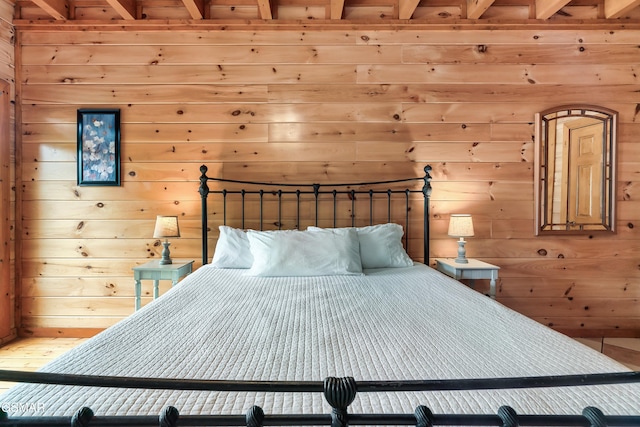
[332, 11]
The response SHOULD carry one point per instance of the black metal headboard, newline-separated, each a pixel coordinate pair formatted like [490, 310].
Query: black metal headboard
[320, 193]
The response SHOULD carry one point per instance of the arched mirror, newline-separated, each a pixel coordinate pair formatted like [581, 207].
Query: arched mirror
[575, 170]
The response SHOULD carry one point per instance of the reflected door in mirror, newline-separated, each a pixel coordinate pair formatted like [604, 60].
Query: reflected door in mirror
[575, 154]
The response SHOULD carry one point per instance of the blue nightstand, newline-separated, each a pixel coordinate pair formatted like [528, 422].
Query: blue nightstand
[155, 271]
[472, 270]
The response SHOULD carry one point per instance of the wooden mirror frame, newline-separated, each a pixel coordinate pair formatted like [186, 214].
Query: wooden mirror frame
[586, 203]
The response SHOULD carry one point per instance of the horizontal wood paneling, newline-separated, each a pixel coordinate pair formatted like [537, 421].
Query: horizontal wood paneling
[114, 95]
[458, 93]
[216, 38]
[192, 74]
[514, 54]
[313, 106]
[215, 55]
[229, 113]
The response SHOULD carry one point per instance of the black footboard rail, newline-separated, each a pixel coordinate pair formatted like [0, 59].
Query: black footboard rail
[338, 392]
[329, 194]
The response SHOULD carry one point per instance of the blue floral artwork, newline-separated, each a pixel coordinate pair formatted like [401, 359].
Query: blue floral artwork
[98, 147]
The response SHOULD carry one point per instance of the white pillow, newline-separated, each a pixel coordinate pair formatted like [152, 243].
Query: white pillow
[380, 246]
[232, 249]
[302, 253]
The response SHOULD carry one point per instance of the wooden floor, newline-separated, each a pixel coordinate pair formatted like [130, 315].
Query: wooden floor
[30, 354]
[624, 350]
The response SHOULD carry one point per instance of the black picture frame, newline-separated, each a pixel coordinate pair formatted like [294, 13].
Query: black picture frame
[99, 147]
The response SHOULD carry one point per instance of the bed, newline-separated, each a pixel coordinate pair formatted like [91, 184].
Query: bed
[328, 321]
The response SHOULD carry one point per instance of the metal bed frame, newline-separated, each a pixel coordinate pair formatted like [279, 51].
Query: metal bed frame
[330, 194]
[338, 392]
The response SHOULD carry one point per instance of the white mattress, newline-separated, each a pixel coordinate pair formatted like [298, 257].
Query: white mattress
[392, 324]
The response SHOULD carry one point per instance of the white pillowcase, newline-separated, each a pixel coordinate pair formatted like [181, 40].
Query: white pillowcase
[380, 245]
[303, 253]
[232, 249]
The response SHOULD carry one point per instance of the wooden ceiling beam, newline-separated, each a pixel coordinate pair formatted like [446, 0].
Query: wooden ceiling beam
[131, 11]
[337, 7]
[547, 8]
[617, 8]
[195, 8]
[59, 9]
[475, 8]
[124, 8]
[407, 7]
[264, 8]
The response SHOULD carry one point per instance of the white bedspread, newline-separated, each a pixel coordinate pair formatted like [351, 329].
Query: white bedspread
[395, 324]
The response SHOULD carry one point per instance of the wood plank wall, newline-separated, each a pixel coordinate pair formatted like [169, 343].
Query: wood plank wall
[314, 104]
[7, 175]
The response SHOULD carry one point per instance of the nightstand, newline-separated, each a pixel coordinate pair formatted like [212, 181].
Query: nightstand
[155, 271]
[472, 270]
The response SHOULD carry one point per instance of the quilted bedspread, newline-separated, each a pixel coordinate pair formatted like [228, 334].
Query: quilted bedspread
[390, 324]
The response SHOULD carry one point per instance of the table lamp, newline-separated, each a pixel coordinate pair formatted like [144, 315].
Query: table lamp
[461, 225]
[166, 226]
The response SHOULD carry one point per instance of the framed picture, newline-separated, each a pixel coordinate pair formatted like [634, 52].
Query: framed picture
[98, 147]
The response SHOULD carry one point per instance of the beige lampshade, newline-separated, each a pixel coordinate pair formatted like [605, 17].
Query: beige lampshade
[460, 225]
[166, 226]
